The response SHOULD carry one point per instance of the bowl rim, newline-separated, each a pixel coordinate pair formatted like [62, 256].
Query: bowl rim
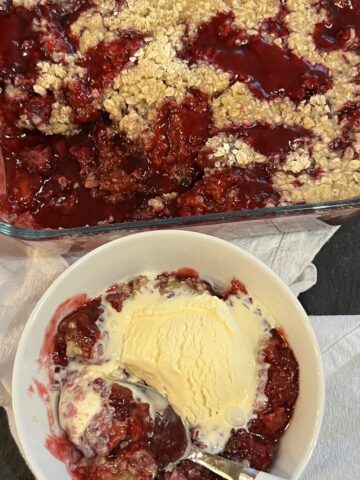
[18, 362]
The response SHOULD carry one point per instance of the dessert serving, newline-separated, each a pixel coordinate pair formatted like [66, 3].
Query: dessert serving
[114, 110]
[216, 356]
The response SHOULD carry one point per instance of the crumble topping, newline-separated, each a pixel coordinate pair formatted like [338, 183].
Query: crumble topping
[52, 76]
[169, 13]
[50, 80]
[229, 151]
[297, 161]
[158, 204]
[131, 61]
[138, 91]
[28, 3]
[90, 29]
[60, 121]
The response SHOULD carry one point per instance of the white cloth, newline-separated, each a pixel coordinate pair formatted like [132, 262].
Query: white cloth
[26, 272]
[337, 454]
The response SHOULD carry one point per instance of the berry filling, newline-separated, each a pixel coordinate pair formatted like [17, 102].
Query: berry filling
[341, 29]
[267, 69]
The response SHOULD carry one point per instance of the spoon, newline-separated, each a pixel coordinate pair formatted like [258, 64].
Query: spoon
[221, 466]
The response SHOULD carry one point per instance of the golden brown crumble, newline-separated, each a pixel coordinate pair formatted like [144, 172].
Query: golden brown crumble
[51, 76]
[28, 3]
[61, 120]
[89, 28]
[138, 91]
[228, 151]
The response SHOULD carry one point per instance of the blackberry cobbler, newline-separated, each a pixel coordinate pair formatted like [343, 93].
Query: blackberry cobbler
[120, 110]
[215, 354]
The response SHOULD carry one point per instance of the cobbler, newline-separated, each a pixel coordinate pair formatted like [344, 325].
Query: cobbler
[109, 431]
[115, 110]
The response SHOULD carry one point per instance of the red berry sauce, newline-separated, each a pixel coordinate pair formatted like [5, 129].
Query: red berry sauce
[79, 328]
[271, 140]
[49, 350]
[276, 25]
[179, 132]
[154, 442]
[107, 59]
[349, 117]
[266, 68]
[19, 46]
[233, 189]
[341, 29]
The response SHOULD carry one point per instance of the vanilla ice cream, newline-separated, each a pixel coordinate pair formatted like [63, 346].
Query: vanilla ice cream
[79, 402]
[199, 351]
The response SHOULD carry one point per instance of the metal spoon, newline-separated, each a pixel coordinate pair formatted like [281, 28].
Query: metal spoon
[219, 465]
[223, 467]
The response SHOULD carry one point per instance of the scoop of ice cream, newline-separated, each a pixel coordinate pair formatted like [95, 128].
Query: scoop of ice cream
[197, 350]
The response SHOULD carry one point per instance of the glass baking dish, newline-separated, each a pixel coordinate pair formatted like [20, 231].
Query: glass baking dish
[226, 225]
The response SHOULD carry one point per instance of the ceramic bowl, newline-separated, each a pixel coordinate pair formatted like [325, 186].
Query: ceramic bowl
[215, 260]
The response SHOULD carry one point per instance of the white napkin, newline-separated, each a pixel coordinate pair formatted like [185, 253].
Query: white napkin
[26, 272]
[338, 450]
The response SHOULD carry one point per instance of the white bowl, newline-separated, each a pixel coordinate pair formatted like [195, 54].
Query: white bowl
[215, 260]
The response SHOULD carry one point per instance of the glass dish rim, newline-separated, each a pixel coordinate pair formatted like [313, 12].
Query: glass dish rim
[193, 220]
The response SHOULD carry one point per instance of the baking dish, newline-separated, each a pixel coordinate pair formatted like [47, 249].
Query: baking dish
[227, 225]
[290, 140]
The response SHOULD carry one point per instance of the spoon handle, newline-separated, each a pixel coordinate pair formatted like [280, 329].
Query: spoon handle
[226, 468]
